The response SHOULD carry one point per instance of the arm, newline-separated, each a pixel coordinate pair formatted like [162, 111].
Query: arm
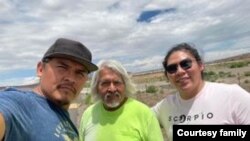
[2, 127]
[81, 130]
[241, 105]
[153, 130]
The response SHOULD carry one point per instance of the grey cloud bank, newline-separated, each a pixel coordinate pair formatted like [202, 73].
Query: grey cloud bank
[110, 29]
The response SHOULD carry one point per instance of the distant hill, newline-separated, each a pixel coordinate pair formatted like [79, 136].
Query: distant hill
[233, 58]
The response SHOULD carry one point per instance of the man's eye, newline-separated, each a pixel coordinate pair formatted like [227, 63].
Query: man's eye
[83, 74]
[60, 66]
[117, 83]
[105, 83]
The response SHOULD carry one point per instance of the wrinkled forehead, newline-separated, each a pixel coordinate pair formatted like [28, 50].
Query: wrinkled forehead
[107, 72]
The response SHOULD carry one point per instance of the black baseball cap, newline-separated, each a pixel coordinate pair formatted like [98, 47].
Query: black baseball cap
[72, 50]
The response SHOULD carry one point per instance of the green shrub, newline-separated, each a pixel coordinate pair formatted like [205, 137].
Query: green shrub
[151, 89]
[222, 74]
[238, 64]
[247, 73]
[210, 76]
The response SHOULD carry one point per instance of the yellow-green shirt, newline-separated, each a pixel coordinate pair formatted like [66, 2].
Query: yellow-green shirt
[133, 121]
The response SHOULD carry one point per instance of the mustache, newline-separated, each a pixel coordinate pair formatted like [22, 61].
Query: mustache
[112, 100]
[116, 94]
[68, 86]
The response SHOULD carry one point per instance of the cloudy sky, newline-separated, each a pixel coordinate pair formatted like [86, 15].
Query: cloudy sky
[136, 32]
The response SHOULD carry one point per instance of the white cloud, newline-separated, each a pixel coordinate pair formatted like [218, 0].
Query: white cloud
[109, 28]
[20, 81]
[149, 63]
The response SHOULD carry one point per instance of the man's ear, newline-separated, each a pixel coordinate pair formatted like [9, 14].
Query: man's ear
[39, 69]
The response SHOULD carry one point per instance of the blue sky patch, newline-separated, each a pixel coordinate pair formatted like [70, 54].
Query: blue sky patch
[148, 16]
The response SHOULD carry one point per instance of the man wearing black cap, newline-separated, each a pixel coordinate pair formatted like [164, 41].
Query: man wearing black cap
[41, 114]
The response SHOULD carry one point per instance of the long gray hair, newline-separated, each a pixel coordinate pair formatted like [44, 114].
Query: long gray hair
[117, 67]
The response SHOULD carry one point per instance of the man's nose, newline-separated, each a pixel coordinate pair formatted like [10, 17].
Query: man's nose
[112, 87]
[70, 77]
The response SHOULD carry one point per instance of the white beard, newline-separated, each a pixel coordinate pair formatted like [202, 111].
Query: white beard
[114, 102]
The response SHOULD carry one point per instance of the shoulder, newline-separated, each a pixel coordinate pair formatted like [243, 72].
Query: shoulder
[228, 91]
[167, 101]
[221, 85]
[93, 107]
[138, 110]
[224, 87]
[14, 102]
[135, 103]
[90, 112]
[12, 94]
[166, 104]
[11, 90]
[136, 107]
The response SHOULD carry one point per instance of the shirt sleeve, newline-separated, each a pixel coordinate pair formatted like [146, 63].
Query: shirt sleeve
[241, 106]
[8, 106]
[154, 130]
[81, 129]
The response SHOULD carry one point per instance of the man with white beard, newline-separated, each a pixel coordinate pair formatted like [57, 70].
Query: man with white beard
[116, 116]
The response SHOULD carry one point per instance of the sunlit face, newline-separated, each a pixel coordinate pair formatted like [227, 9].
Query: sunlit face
[111, 88]
[187, 79]
[61, 80]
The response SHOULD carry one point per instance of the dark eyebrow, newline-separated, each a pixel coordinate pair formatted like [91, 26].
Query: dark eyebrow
[84, 69]
[61, 63]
